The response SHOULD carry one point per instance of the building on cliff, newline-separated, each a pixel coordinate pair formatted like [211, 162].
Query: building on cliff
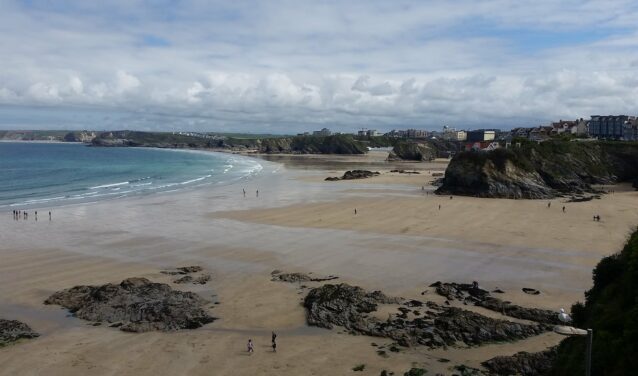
[480, 135]
[615, 127]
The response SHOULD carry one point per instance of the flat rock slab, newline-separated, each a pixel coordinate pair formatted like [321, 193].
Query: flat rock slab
[13, 330]
[138, 304]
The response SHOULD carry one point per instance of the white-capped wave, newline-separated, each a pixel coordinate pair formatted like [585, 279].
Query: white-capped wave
[109, 185]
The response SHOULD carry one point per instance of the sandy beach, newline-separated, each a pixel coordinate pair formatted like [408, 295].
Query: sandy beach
[398, 242]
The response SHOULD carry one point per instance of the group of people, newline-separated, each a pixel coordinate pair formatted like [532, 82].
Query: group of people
[256, 192]
[23, 214]
[251, 345]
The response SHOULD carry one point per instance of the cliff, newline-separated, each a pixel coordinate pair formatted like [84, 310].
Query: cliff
[537, 171]
[336, 144]
[611, 310]
[413, 151]
[425, 150]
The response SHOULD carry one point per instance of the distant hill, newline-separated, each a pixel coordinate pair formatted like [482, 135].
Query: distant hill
[40, 135]
[545, 170]
[335, 144]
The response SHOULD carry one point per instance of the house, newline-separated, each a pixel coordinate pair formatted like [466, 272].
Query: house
[540, 133]
[481, 135]
[482, 146]
[322, 132]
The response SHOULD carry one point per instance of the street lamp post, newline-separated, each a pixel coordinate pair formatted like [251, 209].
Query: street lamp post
[571, 331]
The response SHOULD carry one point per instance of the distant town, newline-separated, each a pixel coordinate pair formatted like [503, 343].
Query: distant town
[609, 127]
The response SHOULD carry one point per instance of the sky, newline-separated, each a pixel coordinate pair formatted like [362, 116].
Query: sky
[282, 66]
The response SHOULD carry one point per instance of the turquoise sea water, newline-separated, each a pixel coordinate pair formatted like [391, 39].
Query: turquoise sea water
[52, 174]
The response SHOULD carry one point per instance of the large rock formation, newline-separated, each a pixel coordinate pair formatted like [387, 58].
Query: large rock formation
[413, 151]
[137, 304]
[350, 306]
[522, 363]
[471, 294]
[538, 171]
[13, 330]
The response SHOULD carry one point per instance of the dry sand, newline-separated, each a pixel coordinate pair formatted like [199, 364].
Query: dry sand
[398, 242]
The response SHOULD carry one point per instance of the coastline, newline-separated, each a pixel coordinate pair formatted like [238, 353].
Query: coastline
[241, 240]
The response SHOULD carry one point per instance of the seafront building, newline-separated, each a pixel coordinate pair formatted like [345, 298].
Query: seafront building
[615, 127]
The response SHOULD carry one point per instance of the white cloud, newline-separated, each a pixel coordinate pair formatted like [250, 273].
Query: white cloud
[293, 65]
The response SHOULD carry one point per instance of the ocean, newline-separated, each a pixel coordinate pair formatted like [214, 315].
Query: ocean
[42, 175]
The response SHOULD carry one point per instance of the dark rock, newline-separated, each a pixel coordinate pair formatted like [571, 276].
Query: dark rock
[183, 270]
[202, 279]
[299, 277]
[137, 303]
[464, 370]
[522, 363]
[13, 330]
[354, 174]
[415, 372]
[530, 291]
[405, 172]
[348, 306]
[184, 279]
[470, 294]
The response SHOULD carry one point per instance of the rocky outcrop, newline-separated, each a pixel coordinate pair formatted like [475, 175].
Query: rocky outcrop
[183, 270]
[79, 136]
[472, 294]
[298, 277]
[540, 171]
[522, 363]
[354, 174]
[349, 307]
[137, 304]
[413, 151]
[13, 330]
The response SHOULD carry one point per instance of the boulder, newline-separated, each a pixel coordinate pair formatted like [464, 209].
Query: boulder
[13, 330]
[139, 304]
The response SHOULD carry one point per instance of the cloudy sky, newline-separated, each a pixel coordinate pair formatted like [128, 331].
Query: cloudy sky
[288, 66]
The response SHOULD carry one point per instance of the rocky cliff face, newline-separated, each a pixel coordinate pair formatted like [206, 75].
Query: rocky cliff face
[413, 151]
[336, 144]
[537, 171]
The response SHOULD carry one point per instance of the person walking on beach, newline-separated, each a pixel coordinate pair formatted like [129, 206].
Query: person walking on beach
[563, 209]
[49, 215]
[257, 193]
[549, 204]
[251, 347]
[244, 189]
[439, 206]
[274, 342]
[355, 211]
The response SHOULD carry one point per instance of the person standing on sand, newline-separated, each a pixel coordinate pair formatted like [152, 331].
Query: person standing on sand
[244, 189]
[563, 209]
[257, 193]
[251, 347]
[355, 211]
[439, 206]
[549, 204]
[274, 342]
[49, 215]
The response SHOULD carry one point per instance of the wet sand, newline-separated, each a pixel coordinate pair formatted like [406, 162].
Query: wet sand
[398, 242]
